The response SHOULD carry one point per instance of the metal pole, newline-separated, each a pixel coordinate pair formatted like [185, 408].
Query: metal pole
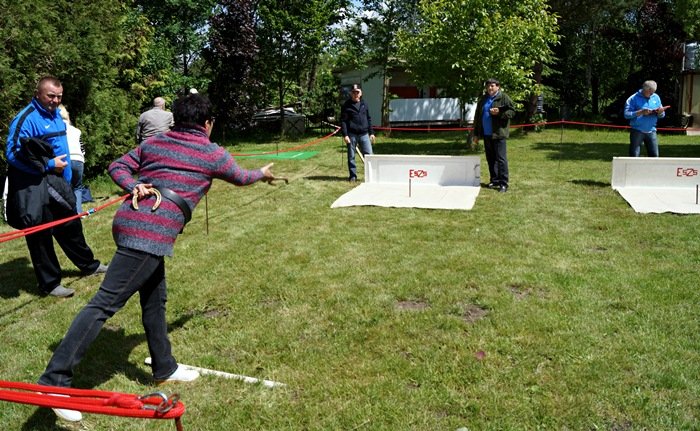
[357, 150]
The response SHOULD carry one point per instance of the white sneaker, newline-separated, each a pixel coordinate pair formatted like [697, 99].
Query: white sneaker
[65, 414]
[182, 374]
[69, 415]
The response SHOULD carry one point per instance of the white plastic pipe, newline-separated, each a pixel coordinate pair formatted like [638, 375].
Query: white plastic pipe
[206, 371]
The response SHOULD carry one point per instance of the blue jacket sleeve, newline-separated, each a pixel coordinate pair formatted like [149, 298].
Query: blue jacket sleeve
[631, 107]
[14, 145]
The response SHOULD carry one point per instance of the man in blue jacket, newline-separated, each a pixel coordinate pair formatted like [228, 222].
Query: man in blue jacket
[356, 126]
[643, 109]
[494, 110]
[39, 176]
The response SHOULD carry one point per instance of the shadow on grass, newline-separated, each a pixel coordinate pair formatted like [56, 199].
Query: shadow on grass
[606, 151]
[591, 183]
[582, 151]
[432, 135]
[18, 275]
[15, 276]
[427, 147]
[326, 178]
[108, 355]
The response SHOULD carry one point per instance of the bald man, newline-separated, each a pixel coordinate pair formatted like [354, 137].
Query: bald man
[39, 176]
[154, 121]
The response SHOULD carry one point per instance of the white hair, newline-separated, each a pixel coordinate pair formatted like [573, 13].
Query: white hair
[649, 85]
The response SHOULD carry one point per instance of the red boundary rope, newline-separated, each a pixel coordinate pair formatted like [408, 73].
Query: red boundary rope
[516, 126]
[8, 236]
[89, 401]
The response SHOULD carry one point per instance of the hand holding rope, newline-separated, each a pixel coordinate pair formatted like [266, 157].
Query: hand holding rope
[269, 177]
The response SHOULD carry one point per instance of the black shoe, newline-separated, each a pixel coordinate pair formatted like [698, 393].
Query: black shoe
[502, 189]
[491, 186]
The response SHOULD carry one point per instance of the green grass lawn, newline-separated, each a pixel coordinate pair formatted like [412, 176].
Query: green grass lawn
[551, 306]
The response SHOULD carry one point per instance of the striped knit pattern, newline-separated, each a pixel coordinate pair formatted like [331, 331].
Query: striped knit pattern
[183, 160]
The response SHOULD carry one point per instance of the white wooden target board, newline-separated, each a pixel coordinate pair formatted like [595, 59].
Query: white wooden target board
[658, 185]
[402, 181]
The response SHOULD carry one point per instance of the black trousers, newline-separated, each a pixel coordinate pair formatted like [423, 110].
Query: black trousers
[70, 238]
[497, 160]
[130, 271]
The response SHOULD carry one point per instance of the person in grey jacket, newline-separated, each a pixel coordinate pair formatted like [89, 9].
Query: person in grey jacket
[494, 111]
[154, 121]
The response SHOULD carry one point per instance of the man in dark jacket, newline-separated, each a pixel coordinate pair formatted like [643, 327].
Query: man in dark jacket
[356, 126]
[38, 175]
[492, 123]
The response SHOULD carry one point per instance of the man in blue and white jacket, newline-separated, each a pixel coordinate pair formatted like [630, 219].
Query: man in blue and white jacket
[39, 175]
[643, 109]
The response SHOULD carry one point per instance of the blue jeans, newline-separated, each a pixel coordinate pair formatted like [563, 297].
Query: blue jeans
[365, 145]
[650, 142]
[77, 184]
[130, 271]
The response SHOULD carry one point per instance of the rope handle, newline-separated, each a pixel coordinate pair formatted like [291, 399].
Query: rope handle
[135, 200]
[152, 405]
[166, 404]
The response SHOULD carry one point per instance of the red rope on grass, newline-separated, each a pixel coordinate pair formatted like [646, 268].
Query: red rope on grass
[89, 401]
[8, 236]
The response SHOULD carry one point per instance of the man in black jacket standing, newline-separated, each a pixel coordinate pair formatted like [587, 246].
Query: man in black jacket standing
[356, 126]
[492, 122]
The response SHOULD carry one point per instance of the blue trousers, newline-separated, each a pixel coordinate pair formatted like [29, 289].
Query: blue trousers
[650, 140]
[77, 183]
[130, 271]
[365, 145]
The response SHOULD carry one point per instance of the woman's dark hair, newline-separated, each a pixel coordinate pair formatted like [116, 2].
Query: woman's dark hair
[191, 110]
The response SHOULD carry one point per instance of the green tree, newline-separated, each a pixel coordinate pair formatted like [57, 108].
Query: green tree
[180, 34]
[376, 34]
[594, 57]
[457, 45]
[231, 54]
[658, 48]
[688, 13]
[609, 48]
[82, 43]
[291, 35]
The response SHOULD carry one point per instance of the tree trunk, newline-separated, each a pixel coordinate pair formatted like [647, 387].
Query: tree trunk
[595, 95]
[385, 100]
[280, 89]
[532, 102]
